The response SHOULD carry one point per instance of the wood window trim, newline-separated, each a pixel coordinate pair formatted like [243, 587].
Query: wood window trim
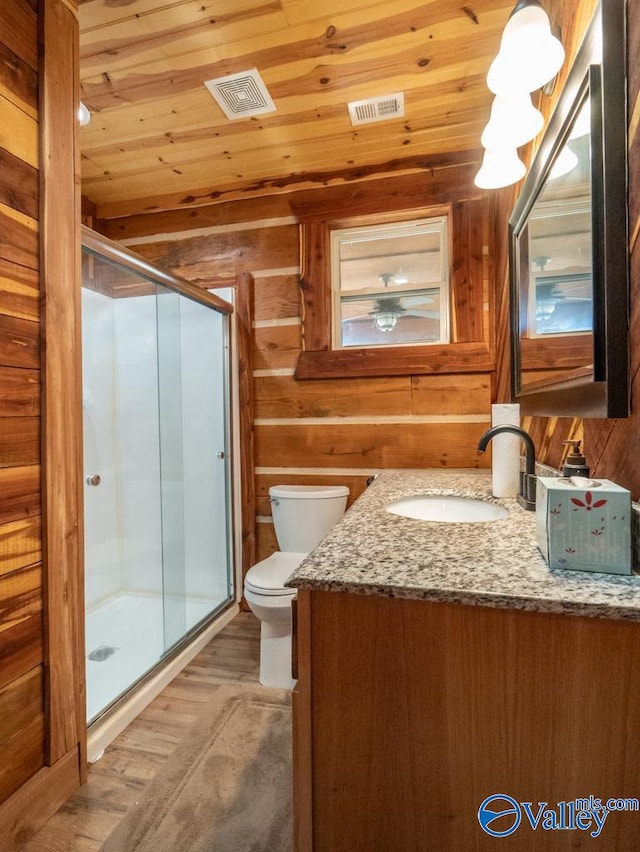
[398, 361]
[468, 352]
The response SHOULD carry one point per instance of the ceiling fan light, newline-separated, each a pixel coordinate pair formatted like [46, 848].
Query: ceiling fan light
[386, 320]
[400, 278]
[514, 121]
[530, 55]
[500, 167]
[547, 298]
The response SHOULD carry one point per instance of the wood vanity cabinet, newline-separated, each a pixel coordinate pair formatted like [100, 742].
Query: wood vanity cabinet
[408, 714]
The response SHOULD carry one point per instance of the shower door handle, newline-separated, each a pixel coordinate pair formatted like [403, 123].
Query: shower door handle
[221, 455]
[94, 479]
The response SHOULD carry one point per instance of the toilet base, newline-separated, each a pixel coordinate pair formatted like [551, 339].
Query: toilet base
[275, 655]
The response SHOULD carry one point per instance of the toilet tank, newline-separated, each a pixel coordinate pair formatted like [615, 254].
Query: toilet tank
[304, 514]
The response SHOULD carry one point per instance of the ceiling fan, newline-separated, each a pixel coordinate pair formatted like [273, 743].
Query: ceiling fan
[387, 310]
[558, 312]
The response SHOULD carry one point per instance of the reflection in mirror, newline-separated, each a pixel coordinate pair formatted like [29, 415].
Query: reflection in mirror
[560, 240]
[556, 259]
[568, 248]
[390, 284]
[555, 250]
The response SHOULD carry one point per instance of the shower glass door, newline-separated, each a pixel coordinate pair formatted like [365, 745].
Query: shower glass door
[192, 348]
[158, 555]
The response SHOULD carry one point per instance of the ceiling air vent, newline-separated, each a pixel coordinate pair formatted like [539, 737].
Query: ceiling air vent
[377, 109]
[241, 95]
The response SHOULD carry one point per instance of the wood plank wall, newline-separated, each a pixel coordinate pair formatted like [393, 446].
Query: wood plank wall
[326, 431]
[22, 738]
[340, 430]
[42, 713]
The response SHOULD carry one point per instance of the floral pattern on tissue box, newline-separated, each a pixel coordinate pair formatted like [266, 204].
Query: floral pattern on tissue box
[584, 529]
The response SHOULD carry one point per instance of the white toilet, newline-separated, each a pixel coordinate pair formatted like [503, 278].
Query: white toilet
[302, 516]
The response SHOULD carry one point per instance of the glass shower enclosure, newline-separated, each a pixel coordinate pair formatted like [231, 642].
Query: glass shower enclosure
[158, 542]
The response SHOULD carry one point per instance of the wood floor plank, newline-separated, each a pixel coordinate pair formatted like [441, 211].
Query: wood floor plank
[151, 738]
[194, 691]
[119, 763]
[118, 780]
[182, 712]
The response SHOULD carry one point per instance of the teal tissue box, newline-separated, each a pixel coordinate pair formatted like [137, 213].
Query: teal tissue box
[584, 525]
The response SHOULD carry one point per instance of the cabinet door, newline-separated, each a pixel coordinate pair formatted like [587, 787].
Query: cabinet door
[421, 710]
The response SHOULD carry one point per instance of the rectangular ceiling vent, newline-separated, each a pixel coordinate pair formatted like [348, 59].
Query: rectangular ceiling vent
[241, 95]
[377, 109]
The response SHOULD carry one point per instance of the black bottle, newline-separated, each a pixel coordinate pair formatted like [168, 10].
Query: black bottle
[575, 463]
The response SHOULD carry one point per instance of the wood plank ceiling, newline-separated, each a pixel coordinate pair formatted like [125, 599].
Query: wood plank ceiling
[157, 138]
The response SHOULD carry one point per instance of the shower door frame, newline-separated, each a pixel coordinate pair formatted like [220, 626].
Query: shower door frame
[111, 250]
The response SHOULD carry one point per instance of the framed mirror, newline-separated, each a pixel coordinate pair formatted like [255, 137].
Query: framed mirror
[568, 242]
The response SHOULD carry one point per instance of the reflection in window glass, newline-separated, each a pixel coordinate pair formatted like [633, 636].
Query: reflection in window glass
[390, 284]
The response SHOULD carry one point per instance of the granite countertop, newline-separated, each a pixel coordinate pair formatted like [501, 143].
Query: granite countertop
[373, 552]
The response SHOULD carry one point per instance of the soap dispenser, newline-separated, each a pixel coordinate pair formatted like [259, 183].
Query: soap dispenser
[575, 463]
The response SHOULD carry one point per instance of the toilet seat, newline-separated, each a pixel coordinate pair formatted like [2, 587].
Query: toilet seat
[268, 576]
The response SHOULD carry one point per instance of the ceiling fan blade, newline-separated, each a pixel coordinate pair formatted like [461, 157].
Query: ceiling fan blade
[408, 301]
[418, 313]
[358, 318]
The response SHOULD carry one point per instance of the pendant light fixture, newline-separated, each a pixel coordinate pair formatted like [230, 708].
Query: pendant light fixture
[530, 55]
[84, 116]
[582, 124]
[565, 162]
[500, 167]
[514, 122]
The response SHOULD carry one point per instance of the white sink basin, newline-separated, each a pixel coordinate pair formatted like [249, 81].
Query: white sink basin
[448, 510]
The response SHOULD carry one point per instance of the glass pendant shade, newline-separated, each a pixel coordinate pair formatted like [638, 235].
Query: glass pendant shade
[84, 116]
[565, 162]
[582, 124]
[513, 122]
[500, 167]
[529, 54]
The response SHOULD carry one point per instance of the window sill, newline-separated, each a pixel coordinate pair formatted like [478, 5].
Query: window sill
[395, 361]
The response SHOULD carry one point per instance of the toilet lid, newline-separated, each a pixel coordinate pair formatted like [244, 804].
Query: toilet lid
[309, 492]
[269, 576]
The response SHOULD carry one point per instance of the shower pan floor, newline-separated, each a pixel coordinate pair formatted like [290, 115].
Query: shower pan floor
[125, 639]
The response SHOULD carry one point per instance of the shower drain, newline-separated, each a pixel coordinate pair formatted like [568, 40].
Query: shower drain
[102, 653]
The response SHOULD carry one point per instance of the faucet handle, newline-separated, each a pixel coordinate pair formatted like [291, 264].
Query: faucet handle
[527, 496]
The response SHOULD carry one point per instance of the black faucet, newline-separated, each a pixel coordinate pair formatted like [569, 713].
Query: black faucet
[527, 495]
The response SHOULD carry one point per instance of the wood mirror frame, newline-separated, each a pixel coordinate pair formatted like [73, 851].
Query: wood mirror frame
[598, 386]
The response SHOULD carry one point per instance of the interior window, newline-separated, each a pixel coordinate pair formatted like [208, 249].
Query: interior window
[390, 284]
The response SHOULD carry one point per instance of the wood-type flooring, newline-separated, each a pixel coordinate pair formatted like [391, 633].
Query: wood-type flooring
[118, 780]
